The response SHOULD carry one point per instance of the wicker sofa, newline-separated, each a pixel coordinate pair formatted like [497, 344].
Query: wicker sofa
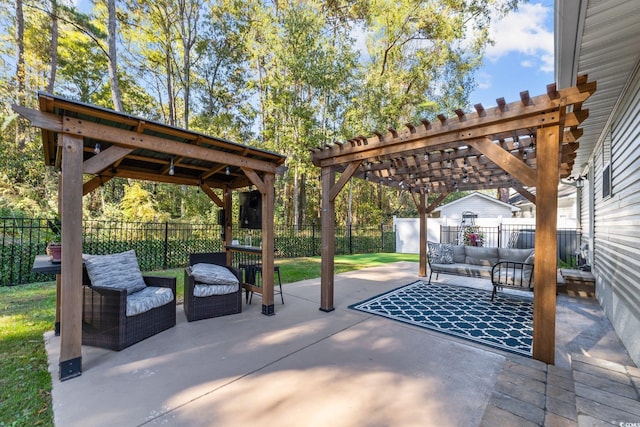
[506, 267]
[204, 307]
[117, 314]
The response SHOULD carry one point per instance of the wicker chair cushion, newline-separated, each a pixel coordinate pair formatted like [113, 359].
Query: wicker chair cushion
[205, 290]
[148, 298]
[213, 274]
[118, 271]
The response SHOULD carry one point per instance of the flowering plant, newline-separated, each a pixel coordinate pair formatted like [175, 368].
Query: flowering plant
[473, 236]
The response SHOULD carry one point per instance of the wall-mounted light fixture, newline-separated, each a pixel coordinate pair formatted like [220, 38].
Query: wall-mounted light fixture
[578, 181]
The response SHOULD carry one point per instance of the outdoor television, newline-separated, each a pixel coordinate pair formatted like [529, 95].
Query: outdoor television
[251, 209]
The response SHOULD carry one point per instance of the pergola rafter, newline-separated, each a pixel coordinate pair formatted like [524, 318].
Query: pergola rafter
[528, 143]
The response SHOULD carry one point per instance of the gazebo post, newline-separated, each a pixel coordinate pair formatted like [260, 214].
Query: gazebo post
[268, 249]
[71, 283]
[328, 215]
[549, 141]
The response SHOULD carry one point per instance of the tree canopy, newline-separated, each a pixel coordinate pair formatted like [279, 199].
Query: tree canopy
[283, 76]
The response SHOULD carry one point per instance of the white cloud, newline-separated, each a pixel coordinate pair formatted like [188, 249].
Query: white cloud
[523, 31]
[483, 80]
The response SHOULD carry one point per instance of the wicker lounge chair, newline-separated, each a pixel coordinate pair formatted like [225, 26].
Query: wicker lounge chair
[105, 322]
[198, 307]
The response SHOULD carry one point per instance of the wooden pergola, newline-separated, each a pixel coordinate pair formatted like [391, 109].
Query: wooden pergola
[82, 140]
[528, 143]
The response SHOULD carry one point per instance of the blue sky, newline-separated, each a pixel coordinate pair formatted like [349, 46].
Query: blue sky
[522, 57]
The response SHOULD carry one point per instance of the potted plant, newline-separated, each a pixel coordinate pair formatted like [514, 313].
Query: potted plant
[54, 248]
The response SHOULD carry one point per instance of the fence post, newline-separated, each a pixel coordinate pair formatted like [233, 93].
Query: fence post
[499, 235]
[313, 238]
[382, 237]
[166, 244]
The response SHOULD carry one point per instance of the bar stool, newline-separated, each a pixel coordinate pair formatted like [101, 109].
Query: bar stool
[249, 270]
[257, 270]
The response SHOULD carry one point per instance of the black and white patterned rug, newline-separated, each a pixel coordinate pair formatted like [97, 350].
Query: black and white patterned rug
[468, 313]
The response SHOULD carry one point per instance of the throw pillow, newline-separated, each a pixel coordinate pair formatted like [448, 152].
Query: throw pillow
[440, 253]
[213, 274]
[118, 271]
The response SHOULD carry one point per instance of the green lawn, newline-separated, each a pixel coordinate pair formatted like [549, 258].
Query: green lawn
[28, 311]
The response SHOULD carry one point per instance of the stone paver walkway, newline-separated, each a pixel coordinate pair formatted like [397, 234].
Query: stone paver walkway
[594, 392]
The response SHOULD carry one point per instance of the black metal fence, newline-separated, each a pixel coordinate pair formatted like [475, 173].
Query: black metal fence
[513, 236]
[168, 245]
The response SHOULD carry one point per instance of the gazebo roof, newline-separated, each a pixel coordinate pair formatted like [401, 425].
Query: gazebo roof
[132, 147]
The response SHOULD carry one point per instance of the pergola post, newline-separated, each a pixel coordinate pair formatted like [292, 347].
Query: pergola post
[327, 219]
[422, 209]
[71, 278]
[268, 249]
[545, 275]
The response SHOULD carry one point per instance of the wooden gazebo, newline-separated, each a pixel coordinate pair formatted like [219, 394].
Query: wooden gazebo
[83, 140]
[528, 143]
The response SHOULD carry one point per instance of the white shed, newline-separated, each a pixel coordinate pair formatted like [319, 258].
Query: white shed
[482, 205]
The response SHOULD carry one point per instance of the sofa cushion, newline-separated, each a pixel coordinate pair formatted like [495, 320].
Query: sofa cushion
[463, 269]
[513, 254]
[148, 298]
[440, 253]
[117, 271]
[458, 254]
[213, 274]
[205, 290]
[477, 255]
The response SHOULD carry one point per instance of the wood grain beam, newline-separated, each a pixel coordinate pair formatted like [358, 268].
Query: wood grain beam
[514, 116]
[525, 193]
[105, 159]
[505, 160]
[131, 139]
[213, 196]
[448, 137]
[94, 183]
[344, 178]
[256, 180]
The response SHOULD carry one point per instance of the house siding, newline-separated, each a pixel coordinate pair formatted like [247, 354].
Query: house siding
[616, 240]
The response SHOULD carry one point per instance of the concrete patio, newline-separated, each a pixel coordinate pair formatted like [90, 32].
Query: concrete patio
[304, 367]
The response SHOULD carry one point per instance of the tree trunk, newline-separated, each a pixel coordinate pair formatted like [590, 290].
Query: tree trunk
[54, 47]
[20, 70]
[113, 57]
[296, 186]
